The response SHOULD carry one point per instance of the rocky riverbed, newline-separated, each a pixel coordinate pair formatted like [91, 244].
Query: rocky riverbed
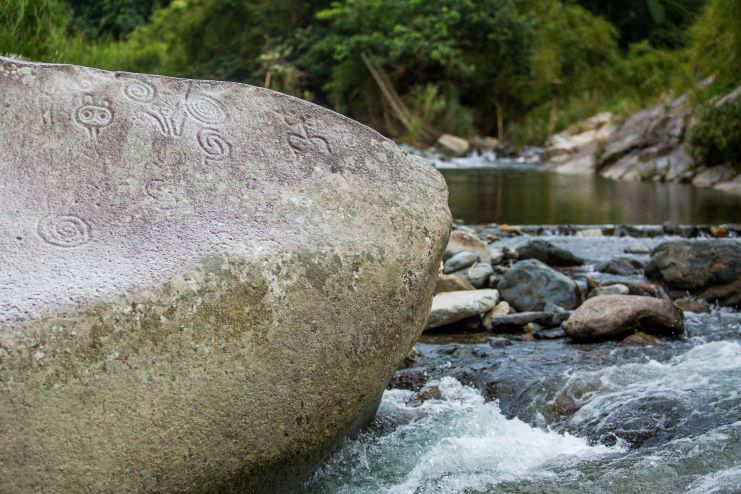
[565, 359]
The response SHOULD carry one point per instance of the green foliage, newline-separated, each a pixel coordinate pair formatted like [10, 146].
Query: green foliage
[111, 18]
[33, 28]
[716, 138]
[661, 23]
[716, 47]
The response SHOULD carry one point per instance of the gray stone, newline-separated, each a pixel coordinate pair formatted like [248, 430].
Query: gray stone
[479, 273]
[461, 240]
[452, 283]
[515, 322]
[624, 266]
[542, 250]
[450, 307]
[616, 289]
[616, 316]
[460, 261]
[714, 175]
[730, 186]
[709, 269]
[530, 285]
[204, 285]
[453, 145]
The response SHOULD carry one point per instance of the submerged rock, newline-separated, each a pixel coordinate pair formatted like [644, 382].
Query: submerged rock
[205, 285]
[616, 316]
[709, 269]
[450, 307]
[530, 285]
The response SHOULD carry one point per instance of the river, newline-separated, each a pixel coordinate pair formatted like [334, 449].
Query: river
[549, 416]
[517, 193]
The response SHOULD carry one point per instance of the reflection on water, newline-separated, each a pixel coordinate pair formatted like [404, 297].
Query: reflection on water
[504, 195]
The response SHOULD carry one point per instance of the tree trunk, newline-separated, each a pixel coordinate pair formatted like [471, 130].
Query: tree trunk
[500, 121]
[552, 115]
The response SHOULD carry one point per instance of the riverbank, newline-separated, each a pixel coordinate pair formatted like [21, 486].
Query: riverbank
[506, 399]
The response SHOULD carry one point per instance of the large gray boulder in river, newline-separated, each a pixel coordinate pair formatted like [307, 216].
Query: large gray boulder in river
[203, 285]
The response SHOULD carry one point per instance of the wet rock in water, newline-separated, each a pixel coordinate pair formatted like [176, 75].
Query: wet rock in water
[550, 334]
[714, 175]
[453, 145]
[616, 316]
[461, 260]
[541, 250]
[499, 342]
[590, 233]
[410, 379]
[616, 289]
[450, 307]
[637, 249]
[692, 305]
[205, 285]
[529, 285]
[431, 392]
[479, 273]
[466, 241]
[452, 283]
[624, 266]
[709, 269]
[515, 322]
[639, 338]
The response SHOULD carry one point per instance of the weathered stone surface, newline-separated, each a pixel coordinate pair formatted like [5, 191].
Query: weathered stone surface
[204, 285]
[450, 307]
[479, 274]
[622, 265]
[616, 316]
[616, 289]
[709, 269]
[530, 285]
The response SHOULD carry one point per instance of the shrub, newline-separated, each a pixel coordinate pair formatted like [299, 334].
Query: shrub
[716, 139]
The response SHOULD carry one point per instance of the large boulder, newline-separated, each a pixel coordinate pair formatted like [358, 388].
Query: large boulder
[709, 269]
[616, 316]
[205, 285]
[530, 285]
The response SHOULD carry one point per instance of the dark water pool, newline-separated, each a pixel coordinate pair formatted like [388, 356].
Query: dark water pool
[508, 195]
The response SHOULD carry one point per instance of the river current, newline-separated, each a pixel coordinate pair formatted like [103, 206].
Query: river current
[549, 416]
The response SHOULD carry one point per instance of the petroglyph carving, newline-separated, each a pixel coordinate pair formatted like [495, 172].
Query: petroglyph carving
[64, 231]
[169, 115]
[94, 115]
[139, 91]
[206, 109]
[214, 145]
[304, 135]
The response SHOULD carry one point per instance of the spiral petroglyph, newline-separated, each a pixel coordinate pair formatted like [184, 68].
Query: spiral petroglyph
[215, 146]
[206, 109]
[139, 92]
[64, 231]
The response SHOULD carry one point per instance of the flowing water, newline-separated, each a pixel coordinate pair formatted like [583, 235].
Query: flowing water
[549, 416]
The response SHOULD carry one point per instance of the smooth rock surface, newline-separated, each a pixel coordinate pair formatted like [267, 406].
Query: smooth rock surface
[453, 145]
[616, 316]
[452, 283]
[465, 241]
[709, 269]
[450, 307]
[204, 285]
[530, 285]
[460, 261]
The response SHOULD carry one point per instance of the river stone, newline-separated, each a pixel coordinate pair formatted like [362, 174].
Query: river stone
[709, 269]
[616, 316]
[450, 307]
[530, 285]
[452, 283]
[460, 261]
[466, 241]
[204, 285]
[542, 250]
[479, 273]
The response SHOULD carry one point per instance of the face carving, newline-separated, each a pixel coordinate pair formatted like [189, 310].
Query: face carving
[94, 116]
